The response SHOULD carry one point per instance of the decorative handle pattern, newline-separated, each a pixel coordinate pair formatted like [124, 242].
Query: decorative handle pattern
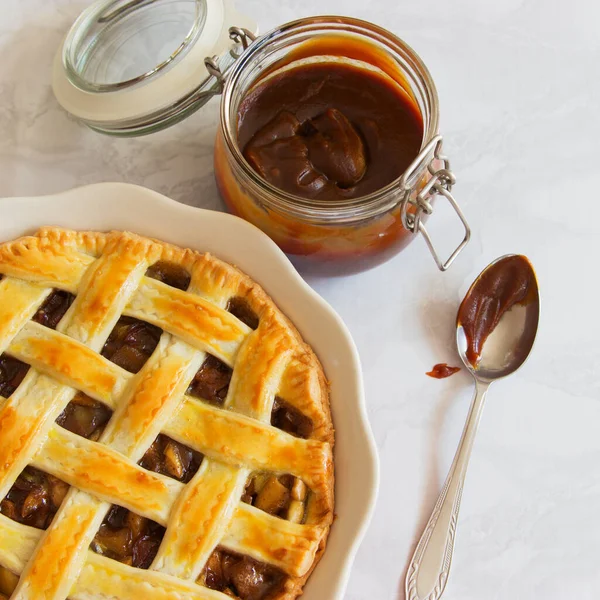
[430, 565]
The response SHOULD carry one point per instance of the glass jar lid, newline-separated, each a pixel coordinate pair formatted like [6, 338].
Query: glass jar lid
[129, 67]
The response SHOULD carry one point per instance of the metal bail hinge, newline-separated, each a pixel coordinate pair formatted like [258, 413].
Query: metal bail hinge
[239, 35]
[440, 184]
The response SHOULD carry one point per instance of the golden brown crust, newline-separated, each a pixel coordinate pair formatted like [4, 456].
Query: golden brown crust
[106, 272]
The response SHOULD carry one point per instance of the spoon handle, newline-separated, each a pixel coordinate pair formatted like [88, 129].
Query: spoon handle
[430, 565]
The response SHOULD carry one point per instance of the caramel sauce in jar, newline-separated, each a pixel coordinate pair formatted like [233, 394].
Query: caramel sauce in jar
[313, 142]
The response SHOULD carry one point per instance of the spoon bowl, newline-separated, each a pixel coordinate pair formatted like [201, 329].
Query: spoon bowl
[510, 342]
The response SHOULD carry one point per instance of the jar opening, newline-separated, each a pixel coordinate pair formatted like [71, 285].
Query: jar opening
[322, 36]
[116, 44]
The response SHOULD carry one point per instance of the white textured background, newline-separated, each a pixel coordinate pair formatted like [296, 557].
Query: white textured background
[520, 98]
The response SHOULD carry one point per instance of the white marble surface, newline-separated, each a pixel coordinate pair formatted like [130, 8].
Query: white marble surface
[519, 88]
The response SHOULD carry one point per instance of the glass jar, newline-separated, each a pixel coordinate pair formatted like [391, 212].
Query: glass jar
[131, 67]
[341, 236]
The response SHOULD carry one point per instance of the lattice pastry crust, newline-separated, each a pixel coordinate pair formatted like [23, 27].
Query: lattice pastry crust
[106, 272]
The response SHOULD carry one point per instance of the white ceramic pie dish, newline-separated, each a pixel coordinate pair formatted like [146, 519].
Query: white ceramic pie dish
[106, 206]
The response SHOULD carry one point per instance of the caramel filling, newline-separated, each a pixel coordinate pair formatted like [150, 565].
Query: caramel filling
[288, 418]
[53, 309]
[131, 343]
[128, 538]
[284, 496]
[170, 273]
[12, 373]
[168, 457]
[34, 498]
[211, 382]
[240, 308]
[240, 576]
[85, 417]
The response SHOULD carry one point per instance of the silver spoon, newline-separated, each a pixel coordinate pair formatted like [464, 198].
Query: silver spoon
[511, 335]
